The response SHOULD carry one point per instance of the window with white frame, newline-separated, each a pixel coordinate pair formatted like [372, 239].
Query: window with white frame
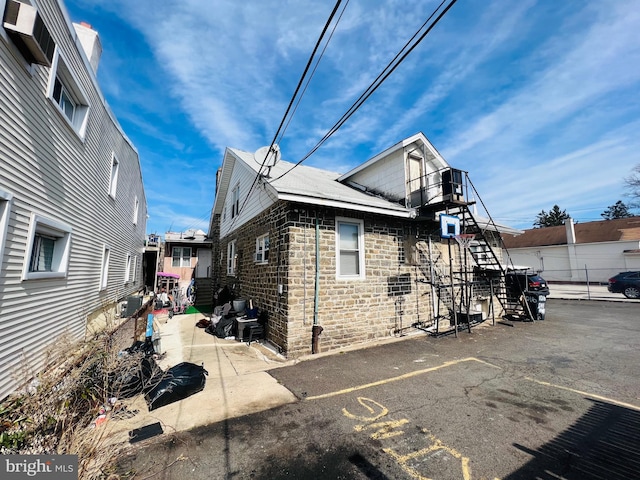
[349, 248]
[127, 271]
[135, 268]
[113, 179]
[136, 208]
[232, 258]
[262, 249]
[104, 273]
[181, 257]
[49, 243]
[5, 210]
[67, 94]
[235, 199]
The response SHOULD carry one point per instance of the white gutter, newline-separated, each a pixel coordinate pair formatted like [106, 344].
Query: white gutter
[405, 213]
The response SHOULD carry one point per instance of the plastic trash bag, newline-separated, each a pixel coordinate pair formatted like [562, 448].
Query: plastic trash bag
[178, 382]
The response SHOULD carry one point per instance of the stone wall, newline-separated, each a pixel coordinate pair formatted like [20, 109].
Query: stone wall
[394, 295]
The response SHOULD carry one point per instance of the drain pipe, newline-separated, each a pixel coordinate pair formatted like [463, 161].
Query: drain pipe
[316, 329]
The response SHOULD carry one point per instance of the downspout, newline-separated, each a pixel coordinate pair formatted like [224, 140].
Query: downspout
[316, 329]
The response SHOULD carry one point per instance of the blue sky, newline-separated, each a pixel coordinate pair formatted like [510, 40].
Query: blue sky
[539, 100]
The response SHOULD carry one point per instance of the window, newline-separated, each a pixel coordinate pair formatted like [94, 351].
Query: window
[5, 210]
[67, 94]
[136, 208]
[127, 271]
[104, 275]
[232, 258]
[349, 248]
[135, 268]
[49, 243]
[235, 206]
[113, 179]
[262, 249]
[181, 257]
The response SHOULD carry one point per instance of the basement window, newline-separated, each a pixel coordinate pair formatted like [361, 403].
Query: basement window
[48, 252]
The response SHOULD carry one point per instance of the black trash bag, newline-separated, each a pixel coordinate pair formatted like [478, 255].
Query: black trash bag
[145, 347]
[180, 381]
[225, 328]
[133, 375]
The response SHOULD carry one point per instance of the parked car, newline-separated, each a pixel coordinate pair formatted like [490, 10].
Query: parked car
[521, 281]
[627, 283]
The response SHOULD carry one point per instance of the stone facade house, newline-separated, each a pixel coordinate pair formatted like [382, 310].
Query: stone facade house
[363, 255]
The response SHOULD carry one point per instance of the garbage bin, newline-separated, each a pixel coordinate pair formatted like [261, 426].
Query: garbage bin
[537, 303]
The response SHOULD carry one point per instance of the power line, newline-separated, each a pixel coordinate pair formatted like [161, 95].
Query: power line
[295, 95]
[388, 70]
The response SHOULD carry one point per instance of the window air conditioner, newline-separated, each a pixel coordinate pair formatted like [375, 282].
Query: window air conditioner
[29, 33]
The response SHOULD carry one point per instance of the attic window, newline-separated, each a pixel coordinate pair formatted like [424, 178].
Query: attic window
[235, 199]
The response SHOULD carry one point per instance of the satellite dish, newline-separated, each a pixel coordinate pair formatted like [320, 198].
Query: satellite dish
[267, 156]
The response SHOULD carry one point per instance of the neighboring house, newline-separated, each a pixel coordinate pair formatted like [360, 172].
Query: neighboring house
[567, 252]
[72, 203]
[188, 254]
[361, 255]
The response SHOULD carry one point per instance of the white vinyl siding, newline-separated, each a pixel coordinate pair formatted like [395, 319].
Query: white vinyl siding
[47, 170]
[349, 249]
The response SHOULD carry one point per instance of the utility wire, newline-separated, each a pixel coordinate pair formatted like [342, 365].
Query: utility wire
[293, 98]
[388, 70]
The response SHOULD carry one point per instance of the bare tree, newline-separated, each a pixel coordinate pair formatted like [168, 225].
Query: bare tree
[633, 186]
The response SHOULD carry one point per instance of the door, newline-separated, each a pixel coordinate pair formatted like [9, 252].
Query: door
[203, 267]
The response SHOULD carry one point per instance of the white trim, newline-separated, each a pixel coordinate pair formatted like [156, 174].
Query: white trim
[261, 257]
[401, 212]
[62, 247]
[232, 258]
[127, 270]
[104, 269]
[181, 257]
[6, 200]
[113, 175]
[73, 89]
[136, 209]
[361, 257]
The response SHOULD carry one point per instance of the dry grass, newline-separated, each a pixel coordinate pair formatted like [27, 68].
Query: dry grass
[56, 412]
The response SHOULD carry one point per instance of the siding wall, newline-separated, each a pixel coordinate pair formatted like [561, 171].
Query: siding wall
[261, 198]
[386, 176]
[51, 171]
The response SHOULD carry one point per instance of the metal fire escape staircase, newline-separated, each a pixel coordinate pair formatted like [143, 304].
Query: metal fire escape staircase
[481, 269]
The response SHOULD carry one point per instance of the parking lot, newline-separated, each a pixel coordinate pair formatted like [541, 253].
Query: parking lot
[558, 398]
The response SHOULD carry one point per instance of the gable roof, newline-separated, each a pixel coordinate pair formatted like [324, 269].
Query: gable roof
[419, 137]
[315, 186]
[621, 229]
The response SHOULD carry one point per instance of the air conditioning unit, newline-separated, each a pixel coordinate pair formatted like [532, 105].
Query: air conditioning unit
[29, 33]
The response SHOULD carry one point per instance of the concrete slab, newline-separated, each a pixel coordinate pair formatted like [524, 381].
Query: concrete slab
[237, 382]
